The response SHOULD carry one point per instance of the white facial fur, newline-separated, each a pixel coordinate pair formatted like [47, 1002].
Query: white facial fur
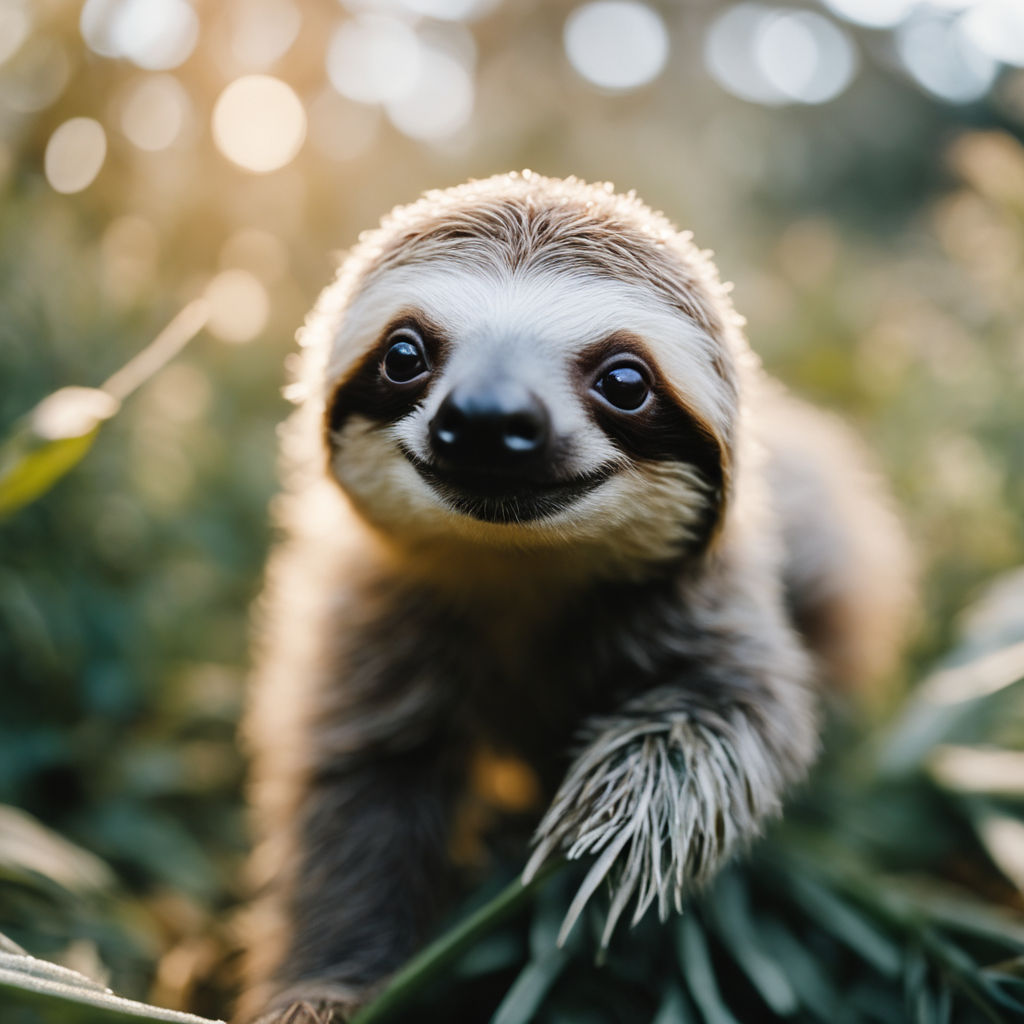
[531, 325]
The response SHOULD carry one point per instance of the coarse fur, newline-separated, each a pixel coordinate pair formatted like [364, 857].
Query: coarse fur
[641, 619]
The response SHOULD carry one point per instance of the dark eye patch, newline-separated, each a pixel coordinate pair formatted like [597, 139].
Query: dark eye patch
[392, 377]
[659, 428]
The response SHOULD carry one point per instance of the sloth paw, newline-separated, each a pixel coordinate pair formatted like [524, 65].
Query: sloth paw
[318, 1007]
[304, 1012]
[658, 805]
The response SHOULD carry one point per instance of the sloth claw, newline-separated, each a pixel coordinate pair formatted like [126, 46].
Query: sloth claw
[660, 808]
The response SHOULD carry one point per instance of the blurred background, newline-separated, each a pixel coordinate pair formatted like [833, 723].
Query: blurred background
[855, 164]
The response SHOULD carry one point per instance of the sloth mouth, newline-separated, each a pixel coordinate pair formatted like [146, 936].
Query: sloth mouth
[498, 498]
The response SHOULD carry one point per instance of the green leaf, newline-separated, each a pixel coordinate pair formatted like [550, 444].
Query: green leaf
[943, 703]
[57, 434]
[28, 982]
[673, 1008]
[28, 846]
[964, 974]
[445, 950]
[804, 971]
[699, 973]
[30, 464]
[829, 911]
[528, 990]
[1002, 836]
[949, 908]
[729, 908]
[922, 1008]
[1012, 969]
[495, 953]
[987, 771]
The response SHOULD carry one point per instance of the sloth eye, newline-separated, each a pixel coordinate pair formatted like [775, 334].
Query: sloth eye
[404, 360]
[625, 387]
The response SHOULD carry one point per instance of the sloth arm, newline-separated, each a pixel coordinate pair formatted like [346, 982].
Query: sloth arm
[354, 793]
[373, 856]
[688, 765]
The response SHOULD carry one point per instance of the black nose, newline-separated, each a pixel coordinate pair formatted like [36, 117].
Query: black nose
[499, 427]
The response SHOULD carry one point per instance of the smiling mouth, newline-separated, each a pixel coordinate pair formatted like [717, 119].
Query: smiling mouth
[495, 498]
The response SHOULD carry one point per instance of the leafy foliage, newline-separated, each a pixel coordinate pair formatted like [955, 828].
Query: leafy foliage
[877, 246]
[885, 895]
[33, 988]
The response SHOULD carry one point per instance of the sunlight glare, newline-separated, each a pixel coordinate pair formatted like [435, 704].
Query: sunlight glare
[239, 306]
[441, 102]
[729, 57]
[259, 123]
[36, 75]
[75, 154]
[996, 27]
[263, 31]
[804, 55]
[451, 10]
[154, 112]
[873, 13]
[374, 59]
[616, 44]
[154, 34]
[15, 24]
[944, 61]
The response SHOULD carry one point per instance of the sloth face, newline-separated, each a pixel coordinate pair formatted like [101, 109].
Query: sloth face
[532, 406]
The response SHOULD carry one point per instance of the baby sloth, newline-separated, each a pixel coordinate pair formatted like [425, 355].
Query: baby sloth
[541, 500]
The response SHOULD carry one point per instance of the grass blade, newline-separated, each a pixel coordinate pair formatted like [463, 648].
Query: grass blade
[38, 983]
[699, 973]
[433, 960]
[735, 926]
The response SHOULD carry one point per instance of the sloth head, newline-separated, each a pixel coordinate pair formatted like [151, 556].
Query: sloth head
[530, 363]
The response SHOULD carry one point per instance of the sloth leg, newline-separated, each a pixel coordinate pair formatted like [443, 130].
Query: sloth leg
[663, 790]
[370, 863]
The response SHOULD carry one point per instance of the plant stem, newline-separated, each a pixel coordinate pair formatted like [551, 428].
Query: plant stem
[430, 962]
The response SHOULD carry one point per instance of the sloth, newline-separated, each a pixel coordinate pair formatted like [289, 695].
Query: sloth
[541, 503]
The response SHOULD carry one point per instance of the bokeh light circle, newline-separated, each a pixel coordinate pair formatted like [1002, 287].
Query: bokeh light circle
[154, 34]
[262, 31]
[440, 104]
[778, 55]
[374, 59]
[873, 13]
[944, 61]
[996, 27]
[15, 24]
[804, 55]
[259, 123]
[239, 306]
[75, 154]
[36, 75]
[154, 111]
[616, 44]
[450, 10]
[728, 54]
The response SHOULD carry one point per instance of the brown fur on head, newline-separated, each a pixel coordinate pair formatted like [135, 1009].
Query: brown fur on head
[546, 284]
